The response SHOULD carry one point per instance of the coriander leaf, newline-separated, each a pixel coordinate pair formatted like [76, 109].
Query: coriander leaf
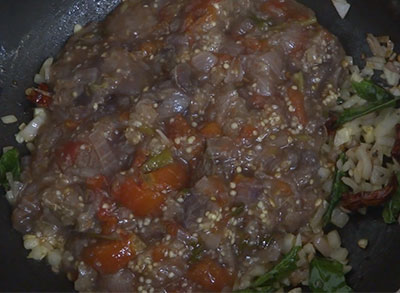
[338, 189]
[377, 99]
[354, 113]
[280, 270]
[391, 211]
[327, 276]
[371, 92]
[259, 22]
[9, 163]
[158, 161]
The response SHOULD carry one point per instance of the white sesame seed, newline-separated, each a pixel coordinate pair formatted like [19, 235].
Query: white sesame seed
[238, 169]
[171, 275]
[232, 185]
[234, 125]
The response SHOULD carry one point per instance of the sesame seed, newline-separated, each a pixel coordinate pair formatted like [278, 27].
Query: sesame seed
[234, 125]
[232, 185]
[191, 139]
[238, 169]
[226, 66]
[233, 192]
[171, 275]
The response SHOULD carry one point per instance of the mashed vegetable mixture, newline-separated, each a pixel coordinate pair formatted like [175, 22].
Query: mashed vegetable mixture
[184, 148]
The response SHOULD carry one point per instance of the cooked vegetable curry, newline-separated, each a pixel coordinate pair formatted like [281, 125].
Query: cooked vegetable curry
[182, 144]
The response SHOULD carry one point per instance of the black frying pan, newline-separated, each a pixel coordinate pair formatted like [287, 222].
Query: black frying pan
[32, 30]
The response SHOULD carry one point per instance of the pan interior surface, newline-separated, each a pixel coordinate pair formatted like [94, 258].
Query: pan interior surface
[38, 29]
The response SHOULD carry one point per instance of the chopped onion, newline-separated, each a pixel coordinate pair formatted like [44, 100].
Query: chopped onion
[8, 119]
[44, 73]
[7, 148]
[204, 61]
[342, 136]
[375, 46]
[342, 7]
[15, 189]
[391, 74]
[321, 244]
[339, 218]
[288, 242]
[174, 102]
[211, 240]
[334, 239]
[30, 131]
[340, 254]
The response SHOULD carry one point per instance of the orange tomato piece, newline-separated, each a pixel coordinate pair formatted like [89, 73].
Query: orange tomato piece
[283, 9]
[158, 252]
[67, 154]
[71, 124]
[124, 116]
[248, 131]
[172, 227]
[210, 275]
[139, 198]
[178, 127]
[171, 177]
[211, 129]
[282, 188]
[296, 97]
[202, 12]
[109, 256]
[151, 47]
[97, 182]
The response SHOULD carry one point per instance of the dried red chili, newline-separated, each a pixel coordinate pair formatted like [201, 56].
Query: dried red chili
[330, 124]
[41, 96]
[354, 201]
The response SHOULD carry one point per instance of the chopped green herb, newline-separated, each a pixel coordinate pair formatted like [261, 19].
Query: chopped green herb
[147, 130]
[338, 189]
[197, 251]
[161, 160]
[287, 265]
[377, 99]
[298, 79]
[259, 22]
[238, 210]
[391, 211]
[371, 92]
[327, 276]
[9, 163]
[354, 113]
